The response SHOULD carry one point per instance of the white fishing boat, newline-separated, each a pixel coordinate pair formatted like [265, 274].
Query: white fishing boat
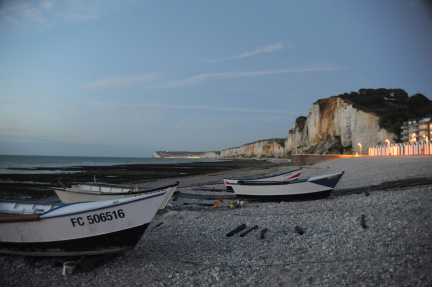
[86, 228]
[99, 191]
[312, 187]
[284, 176]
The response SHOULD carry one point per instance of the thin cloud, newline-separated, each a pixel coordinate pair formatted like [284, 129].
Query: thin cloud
[148, 80]
[201, 78]
[3, 125]
[193, 107]
[127, 81]
[26, 13]
[259, 50]
[48, 13]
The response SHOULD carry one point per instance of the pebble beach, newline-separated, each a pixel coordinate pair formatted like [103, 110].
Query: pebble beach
[372, 238]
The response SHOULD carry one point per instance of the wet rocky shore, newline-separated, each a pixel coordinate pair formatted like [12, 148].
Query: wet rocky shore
[38, 184]
[377, 236]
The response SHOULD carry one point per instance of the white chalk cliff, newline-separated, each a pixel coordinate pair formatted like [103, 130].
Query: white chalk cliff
[333, 126]
[258, 149]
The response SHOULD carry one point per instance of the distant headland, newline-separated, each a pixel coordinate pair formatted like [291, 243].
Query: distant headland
[177, 154]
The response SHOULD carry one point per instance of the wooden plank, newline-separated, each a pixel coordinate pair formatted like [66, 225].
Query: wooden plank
[19, 218]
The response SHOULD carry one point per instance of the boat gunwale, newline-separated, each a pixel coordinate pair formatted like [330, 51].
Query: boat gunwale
[131, 191]
[125, 201]
[261, 177]
[32, 202]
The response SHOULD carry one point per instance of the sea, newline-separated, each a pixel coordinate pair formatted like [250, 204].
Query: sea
[27, 164]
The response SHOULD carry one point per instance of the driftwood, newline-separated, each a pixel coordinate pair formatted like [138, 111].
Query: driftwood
[238, 229]
[363, 221]
[249, 230]
[263, 232]
[299, 230]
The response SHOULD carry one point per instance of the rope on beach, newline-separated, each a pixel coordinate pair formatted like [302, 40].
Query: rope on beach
[302, 262]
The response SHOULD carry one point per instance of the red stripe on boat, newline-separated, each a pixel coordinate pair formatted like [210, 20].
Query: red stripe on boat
[294, 176]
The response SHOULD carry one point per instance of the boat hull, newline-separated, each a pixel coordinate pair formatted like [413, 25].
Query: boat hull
[314, 187]
[81, 228]
[285, 176]
[288, 197]
[106, 243]
[71, 195]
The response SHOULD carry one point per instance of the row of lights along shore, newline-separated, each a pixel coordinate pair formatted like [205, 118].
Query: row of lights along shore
[388, 142]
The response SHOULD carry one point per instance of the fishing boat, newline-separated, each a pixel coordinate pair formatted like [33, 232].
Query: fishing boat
[284, 176]
[312, 187]
[71, 229]
[99, 191]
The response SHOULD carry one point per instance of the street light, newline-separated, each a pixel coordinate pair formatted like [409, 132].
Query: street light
[388, 146]
[360, 148]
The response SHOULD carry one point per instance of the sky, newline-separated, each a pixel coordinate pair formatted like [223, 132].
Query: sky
[125, 78]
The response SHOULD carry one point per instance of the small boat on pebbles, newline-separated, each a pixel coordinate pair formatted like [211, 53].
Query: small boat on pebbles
[284, 176]
[312, 187]
[71, 229]
[100, 191]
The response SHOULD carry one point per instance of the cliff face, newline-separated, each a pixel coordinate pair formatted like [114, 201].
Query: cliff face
[333, 126]
[259, 149]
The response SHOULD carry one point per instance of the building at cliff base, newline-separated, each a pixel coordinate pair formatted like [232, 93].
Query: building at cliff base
[418, 129]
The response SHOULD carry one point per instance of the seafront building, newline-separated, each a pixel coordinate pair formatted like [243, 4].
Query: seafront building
[415, 130]
[416, 136]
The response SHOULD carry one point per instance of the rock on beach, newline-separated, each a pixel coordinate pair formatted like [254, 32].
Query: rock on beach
[383, 238]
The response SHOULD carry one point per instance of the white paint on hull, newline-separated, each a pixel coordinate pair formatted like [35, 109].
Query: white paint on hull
[279, 190]
[286, 189]
[74, 221]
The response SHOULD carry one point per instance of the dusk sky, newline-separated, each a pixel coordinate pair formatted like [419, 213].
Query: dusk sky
[126, 78]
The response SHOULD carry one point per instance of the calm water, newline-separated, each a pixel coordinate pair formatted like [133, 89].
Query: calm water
[25, 164]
